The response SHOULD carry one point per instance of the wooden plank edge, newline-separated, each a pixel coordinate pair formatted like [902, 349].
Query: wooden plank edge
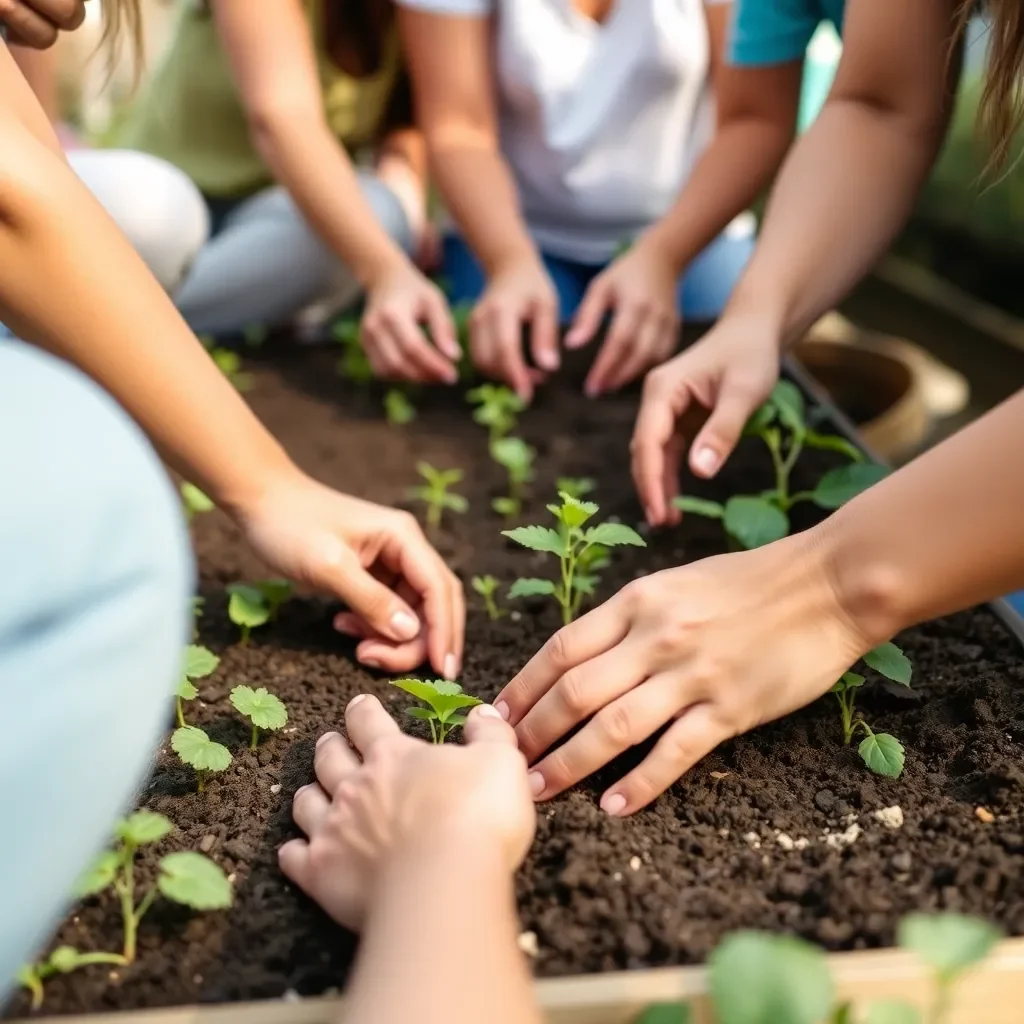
[993, 992]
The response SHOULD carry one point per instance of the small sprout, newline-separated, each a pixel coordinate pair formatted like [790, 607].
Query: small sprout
[948, 943]
[197, 750]
[195, 501]
[255, 604]
[581, 552]
[188, 878]
[497, 409]
[230, 364]
[517, 458]
[882, 753]
[435, 494]
[398, 409]
[199, 663]
[353, 364]
[487, 587]
[443, 703]
[263, 709]
[575, 486]
[63, 960]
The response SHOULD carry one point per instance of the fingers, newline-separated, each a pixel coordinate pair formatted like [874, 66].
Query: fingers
[642, 354]
[442, 328]
[366, 722]
[622, 335]
[581, 691]
[485, 725]
[293, 859]
[614, 729]
[544, 336]
[580, 641]
[37, 24]
[662, 405]
[333, 762]
[400, 350]
[692, 737]
[591, 312]
[715, 442]
[310, 806]
[497, 348]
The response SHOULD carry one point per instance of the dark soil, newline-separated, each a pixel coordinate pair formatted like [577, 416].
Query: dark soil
[724, 849]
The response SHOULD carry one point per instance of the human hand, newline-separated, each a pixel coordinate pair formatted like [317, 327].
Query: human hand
[403, 796]
[398, 303]
[639, 290]
[405, 602]
[36, 23]
[710, 650]
[521, 293]
[728, 373]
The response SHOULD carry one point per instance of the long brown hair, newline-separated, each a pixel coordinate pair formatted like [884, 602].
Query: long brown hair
[122, 26]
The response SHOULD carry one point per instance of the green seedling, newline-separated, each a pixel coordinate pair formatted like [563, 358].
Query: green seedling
[754, 520]
[263, 709]
[516, 456]
[882, 753]
[186, 877]
[230, 364]
[198, 751]
[255, 604]
[63, 960]
[575, 486]
[581, 552]
[487, 587]
[398, 409]
[435, 494]
[461, 316]
[194, 501]
[497, 409]
[353, 365]
[443, 703]
[199, 663]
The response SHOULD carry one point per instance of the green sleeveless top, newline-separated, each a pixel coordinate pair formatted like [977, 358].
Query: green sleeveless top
[189, 112]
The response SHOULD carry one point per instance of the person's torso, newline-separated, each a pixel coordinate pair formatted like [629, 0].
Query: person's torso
[601, 123]
[189, 111]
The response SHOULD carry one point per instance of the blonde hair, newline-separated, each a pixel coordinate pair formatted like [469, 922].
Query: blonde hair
[122, 25]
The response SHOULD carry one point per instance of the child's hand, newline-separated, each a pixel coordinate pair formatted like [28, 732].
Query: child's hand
[36, 23]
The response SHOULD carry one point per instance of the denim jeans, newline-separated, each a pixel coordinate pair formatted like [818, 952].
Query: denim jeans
[94, 612]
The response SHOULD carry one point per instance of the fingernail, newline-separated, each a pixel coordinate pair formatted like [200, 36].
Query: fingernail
[327, 735]
[370, 662]
[405, 625]
[613, 803]
[547, 361]
[502, 708]
[488, 711]
[536, 781]
[451, 668]
[591, 390]
[355, 700]
[705, 461]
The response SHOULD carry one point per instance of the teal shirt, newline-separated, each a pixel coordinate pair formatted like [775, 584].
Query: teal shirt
[778, 31]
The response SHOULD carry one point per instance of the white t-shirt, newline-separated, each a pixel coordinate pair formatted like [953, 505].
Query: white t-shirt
[600, 123]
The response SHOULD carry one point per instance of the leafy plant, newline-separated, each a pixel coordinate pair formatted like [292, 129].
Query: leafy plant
[497, 409]
[443, 704]
[580, 552]
[487, 587]
[194, 501]
[882, 753]
[199, 663]
[353, 364]
[398, 409]
[230, 364]
[575, 486]
[755, 520]
[198, 751]
[435, 495]
[256, 604]
[516, 456]
[63, 960]
[263, 709]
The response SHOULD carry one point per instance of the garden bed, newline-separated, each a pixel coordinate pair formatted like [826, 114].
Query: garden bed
[722, 850]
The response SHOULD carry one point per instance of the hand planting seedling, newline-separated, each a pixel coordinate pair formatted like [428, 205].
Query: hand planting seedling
[187, 877]
[443, 703]
[256, 604]
[230, 364]
[580, 552]
[353, 365]
[487, 587]
[263, 709]
[199, 663]
[398, 409]
[497, 409]
[194, 501]
[755, 520]
[575, 486]
[435, 494]
[882, 753]
[517, 457]
[198, 751]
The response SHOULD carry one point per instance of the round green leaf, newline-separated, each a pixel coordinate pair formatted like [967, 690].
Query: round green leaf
[755, 522]
[195, 748]
[613, 535]
[948, 943]
[99, 875]
[769, 979]
[838, 486]
[143, 827]
[247, 606]
[574, 512]
[833, 443]
[888, 660]
[789, 401]
[199, 661]
[760, 420]
[423, 714]
[883, 754]
[531, 588]
[186, 691]
[194, 880]
[891, 1011]
[699, 506]
[264, 709]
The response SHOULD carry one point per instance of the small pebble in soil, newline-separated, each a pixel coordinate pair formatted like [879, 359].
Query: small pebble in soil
[197, 979]
[617, 877]
[515, 616]
[902, 861]
[720, 775]
[634, 863]
[984, 815]
[206, 843]
[275, 788]
[785, 841]
[753, 839]
[291, 996]
[824, 800]
[527, 942]
[837, 840]
[890, 817]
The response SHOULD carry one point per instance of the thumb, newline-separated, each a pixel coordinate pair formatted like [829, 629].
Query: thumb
[484, 724]
[715, 442]
[589, 315]
[379, 606]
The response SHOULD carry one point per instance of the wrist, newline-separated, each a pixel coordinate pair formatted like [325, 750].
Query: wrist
[505, 257]
[242, 495]
[378, 262]
[762, 305]
[662, 248]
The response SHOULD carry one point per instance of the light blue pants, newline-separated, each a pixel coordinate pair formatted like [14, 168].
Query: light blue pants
[95, 579]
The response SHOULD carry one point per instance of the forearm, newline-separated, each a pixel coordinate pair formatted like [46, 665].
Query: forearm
[71, 283]
[939, 535]
[442, 953]
[40, 70]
